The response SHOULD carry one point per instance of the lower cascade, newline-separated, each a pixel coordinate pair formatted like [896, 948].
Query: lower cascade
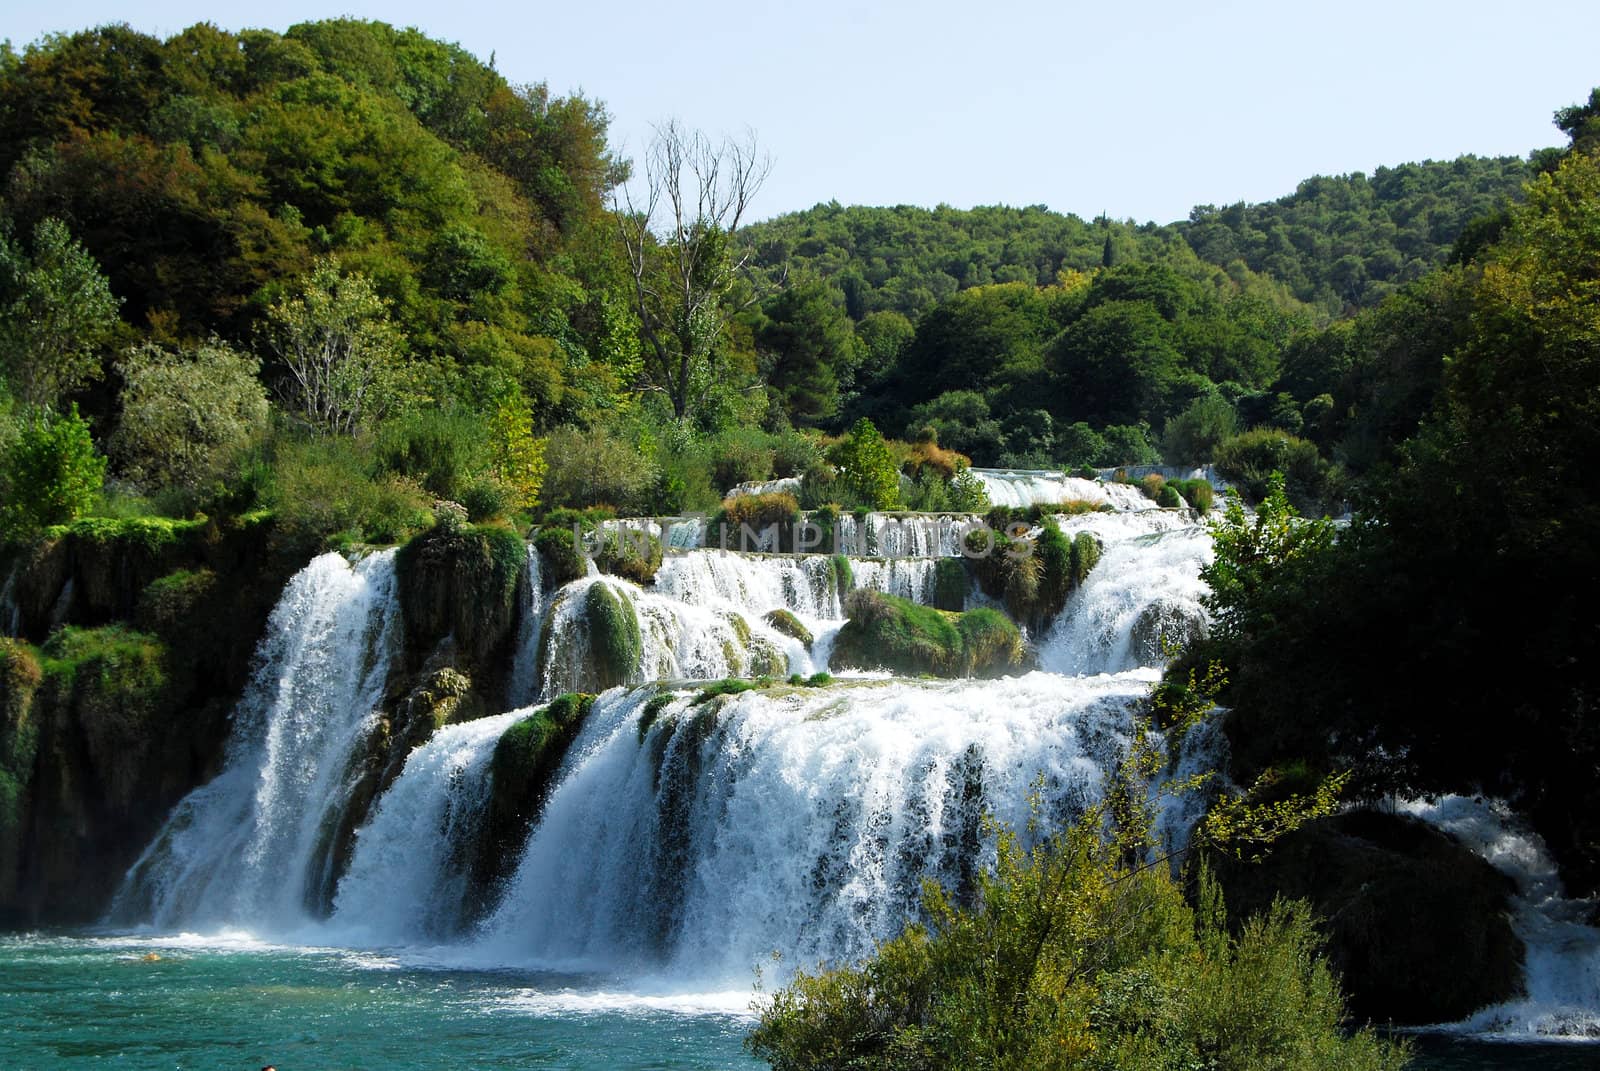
[681, 836]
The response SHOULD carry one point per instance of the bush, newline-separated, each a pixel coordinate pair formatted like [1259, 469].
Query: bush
[563, 558]
[633, 555]
[866, 467]
[50, 473]
[441, 452]
[1193, 435]
[184, 415]
[741, 455]
[1250, 459]
[321, 491]
[1197, 492]
[758, 513]
[589, 468]
[1168, 497]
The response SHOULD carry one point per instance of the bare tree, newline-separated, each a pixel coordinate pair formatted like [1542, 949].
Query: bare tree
[678, 241]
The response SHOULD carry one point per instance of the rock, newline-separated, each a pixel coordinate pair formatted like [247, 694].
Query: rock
[462, 584]
[614, 640]
[784, 622]
[885, 632]
[1417, 924]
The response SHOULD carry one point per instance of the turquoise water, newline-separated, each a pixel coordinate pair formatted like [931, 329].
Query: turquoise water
[99, 1002]
[220, 1004]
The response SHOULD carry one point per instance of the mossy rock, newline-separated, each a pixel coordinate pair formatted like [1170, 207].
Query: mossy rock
[559, 551]
[1086, 551]
[1417, 923]
[521, 773]
[20, 677]
[886, 632]
[461, 584]
[785, 623]
[614, 640]
[632, 555]
[950, 583]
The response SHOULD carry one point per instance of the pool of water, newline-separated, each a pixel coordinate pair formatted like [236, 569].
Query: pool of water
[219, 1003]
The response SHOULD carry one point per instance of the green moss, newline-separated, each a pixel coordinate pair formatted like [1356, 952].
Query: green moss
[149, 533]
[842, 575]
[898, 635]
[462, 584]
[614, 640]
[20, 677]
[950, 584]
[621, 555]
[728, 686]
[784, 622]
[563, 561]
[524, 764]
[1085, 556]
[652, 711]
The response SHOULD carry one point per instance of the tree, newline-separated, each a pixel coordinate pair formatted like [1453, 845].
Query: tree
[867, 467]
[184, 413]
[55, 311]
[680, 256]
[808, 348]
[50, 473]
[338, 349]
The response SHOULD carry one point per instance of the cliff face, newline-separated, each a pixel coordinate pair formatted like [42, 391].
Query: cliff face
[135, 641]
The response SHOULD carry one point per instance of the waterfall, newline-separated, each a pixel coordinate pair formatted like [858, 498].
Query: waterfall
[1562, 959]
[915, 535]
[252, 847]
[786, 485]
[525, 683]
[677, 641]
[806, 586]
[407, 880]
[1144, 591]
[1019, 489]
[701, 842]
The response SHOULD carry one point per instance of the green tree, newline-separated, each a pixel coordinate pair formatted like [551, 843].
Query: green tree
[808, 350]
[185, 413]
[867, 468]
[1192, 435]
[337, 348]
[56, 310]
[51, 473]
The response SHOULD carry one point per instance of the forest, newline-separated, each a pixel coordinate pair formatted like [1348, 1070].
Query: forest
[346, 285]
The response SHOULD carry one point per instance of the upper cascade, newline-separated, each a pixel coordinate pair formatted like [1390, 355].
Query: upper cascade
[1020, 488]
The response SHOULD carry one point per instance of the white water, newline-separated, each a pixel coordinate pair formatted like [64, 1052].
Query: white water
[1562, 964]
[800, 823]
[678, 858]
[786, 485]
[1144, 590]
[249, 848]
[679, 641]
[525, 682]
[1019, 489]
[408, 879]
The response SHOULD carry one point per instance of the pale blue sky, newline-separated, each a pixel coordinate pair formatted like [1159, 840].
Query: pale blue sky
[1141, 109]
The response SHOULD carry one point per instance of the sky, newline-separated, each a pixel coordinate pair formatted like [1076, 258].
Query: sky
[1140, 110]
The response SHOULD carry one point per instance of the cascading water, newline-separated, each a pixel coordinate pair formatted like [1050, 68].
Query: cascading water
[408, 877]
[1561, 968]
[1145, 592]
[680, 845]
[804, 823]
[252, 847]
[1020, 489]
[525, 683]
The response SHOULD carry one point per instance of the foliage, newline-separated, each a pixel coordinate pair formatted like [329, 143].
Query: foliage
[323, 491]
[338, 348]
[595, 467]
[185, 415]
[1192, 435]
[613, 627]
[56, 310]
[1250, 459]
[517, 456]
[866, 467]
[49, 474]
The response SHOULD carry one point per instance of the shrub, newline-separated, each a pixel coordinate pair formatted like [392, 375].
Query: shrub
[563, 559]
[867, 468]
[1192, 436]
[441, 451]
[50, 473]
[489, 498]
[1152, 485]
[759, 513]
[185, 414]
[1197, 492]
[793, 452]
[741, 455]
[588, 468]
[1250, 459]
[321, 491]
[633, 555]
[1168, 497]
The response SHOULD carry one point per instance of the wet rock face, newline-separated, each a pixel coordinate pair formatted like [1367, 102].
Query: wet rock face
[1417, 924]
[462, 585]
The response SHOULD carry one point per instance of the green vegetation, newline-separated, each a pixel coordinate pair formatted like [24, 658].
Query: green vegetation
[49, 474]
[613, 630]
[789, 625]
[886, 632]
